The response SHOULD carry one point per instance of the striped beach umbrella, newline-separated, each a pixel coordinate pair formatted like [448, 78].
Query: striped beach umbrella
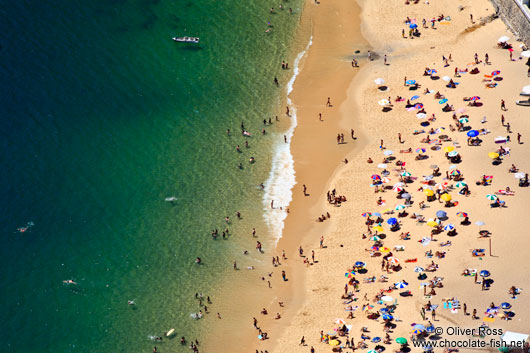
[491, 197]
[420, 150]
[449, 227]
[385, 180]
[462, 214]
[397, 188]
[460, 184]
[463, 120]
[400, 207]
[452, 154]
[406, 174]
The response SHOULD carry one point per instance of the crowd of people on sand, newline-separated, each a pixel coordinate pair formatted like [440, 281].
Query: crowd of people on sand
[435, 185]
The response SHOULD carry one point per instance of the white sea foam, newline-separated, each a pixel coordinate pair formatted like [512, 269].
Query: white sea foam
[279, 185]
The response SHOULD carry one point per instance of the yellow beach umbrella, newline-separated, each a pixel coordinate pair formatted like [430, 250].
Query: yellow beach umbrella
[387, 210]
[493, 155]
[446, 197]
[378, 228]
[432, 223]
[448, 149]
[334, 343]
[384, 250]
[428, 192]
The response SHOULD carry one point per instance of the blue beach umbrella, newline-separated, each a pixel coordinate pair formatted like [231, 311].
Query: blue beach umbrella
[433, 71]
[413, 25]
[441, 214]
[414, 97]
[449, 227]
[376, 339]
[392, 221]
[360, 264]
[387, 317]
[506, 305]
[484, 273]
[472, 133]
[418, 327]
[377, 214]
[384, 310]
[442, 101]
[430, 329]
[410, 82]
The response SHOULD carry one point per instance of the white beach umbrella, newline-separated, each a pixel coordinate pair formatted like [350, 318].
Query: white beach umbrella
[379, 81]
[383, 102]
[526, 54]
[418, 269]
[446, 78]
[519, 175]
[421, 115]
[388, 153]
[526, 89]
[381, 166]
[503, 39]
[387, 298]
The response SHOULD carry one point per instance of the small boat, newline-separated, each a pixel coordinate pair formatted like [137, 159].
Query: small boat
[525, 94]
[186, 39]
[170, 332]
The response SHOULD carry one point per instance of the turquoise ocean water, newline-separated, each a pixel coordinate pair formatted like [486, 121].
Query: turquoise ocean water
[103, 116]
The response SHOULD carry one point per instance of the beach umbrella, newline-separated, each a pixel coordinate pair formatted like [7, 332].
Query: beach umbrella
[441, 214]
[526, 89]
[385, 180]
[441, 186]
[413, 25]
[360, 264]
[495, 73]
[452, 166]
[406, 196]
[382, 166]
[425, 241]
[442, 101]
[388, 153]
[418, 106]
[446, 197]
[455, 172]
[472, 133]
[410, 82]
[432, 223]
[491, 197]
[399, 184]
[334, 343]
[376, 177]
[420, 150]
[449, 227]
[418, 269]
[432, 71]
[349, 274]
[406, 174]
[372, 351]
[503, 39]
[462, 214]
[519, 175]
[393, 260]
[340, 321]
[526, 54]
[401, 284]
[448, 149]
[384, 249]
[379, 81]
[506, 305]
[401, 340]
[378, 229]
[375, 238]
[452, 154]
[397, 188]
[418, 327]
[430, 329]
[428, 192]
[387, 317]
[392, 221]
[463, 120]
[414, 97]
[383, 102]
[384, 310]
[388, 210]
[484, 273]
[493, 155]
[376, 214]
[446, 78]
[417, 332]
[367, 214]
[421, 115]
[460, 184]
[480, 223]
[476, 98]
[387, 298]
[400, 207]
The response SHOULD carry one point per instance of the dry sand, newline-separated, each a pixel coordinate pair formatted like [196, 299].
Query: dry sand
[324, 281]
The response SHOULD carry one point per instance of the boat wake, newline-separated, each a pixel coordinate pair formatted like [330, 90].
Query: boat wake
[281, 180]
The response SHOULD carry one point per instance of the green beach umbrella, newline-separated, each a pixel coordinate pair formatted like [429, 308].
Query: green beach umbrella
[401, 340]
[406, 174]
[375, 238]
[491, 197]
[460, 184]
[400, 207]
[464, 120]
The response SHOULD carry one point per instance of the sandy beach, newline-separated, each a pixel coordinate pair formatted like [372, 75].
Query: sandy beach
[425, 275]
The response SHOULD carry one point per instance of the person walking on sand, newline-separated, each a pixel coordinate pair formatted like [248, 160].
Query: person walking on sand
[503, 105]
[399, 137]
[381, 145]
[502, 119]
[312, 349]
[287, 111]
[284, 276]
[465, 309]
[352, 133]
[385, 60]
[305, 190]
[320, 116]
[285, 138]
[328, 103]
[322, 242]
[302, 341]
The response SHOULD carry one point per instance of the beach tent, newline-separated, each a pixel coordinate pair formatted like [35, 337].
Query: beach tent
[514, 339]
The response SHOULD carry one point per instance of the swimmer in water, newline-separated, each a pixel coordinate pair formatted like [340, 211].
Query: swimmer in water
[131, 302]
[69, 281]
